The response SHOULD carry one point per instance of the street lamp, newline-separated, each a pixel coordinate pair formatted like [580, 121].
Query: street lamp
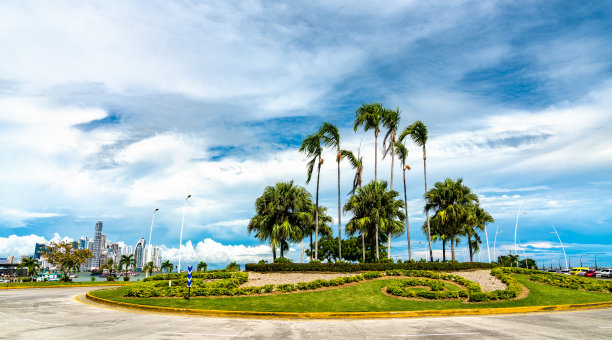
[488, 251]
[523, 249]
[562, 247]
[516, 226]
[581, 259]
[150, 247]
[596, 259]
[570, 260]
[494, 241]
[181, 238]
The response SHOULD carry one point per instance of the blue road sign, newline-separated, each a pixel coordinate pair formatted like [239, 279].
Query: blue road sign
[189, 280]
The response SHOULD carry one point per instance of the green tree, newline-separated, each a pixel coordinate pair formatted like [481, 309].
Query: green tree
[373, 206]
[166, 266]
[311, 146]
[402, 155]
[357, 165]
[201, 266]
[65, 256]
[283, 213]
[324, 228]
[390, 120]
[328, 249]
[370, 116]
[475, 221]
[507, 260]
[331, 138]
[149, 268]
[110, 265]
[418, 133]
[31, 263]
[127, 261]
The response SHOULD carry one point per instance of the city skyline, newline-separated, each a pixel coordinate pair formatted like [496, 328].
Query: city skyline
[109, 112]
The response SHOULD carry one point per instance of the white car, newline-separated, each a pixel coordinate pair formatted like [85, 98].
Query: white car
[603, 273]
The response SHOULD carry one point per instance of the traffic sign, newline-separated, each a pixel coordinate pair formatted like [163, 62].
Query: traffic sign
[189, 275]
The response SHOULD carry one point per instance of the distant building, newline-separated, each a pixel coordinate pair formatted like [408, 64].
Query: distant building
[39, 250]
[10, 259]
[127, 250]
[155, 256]
[75, 245]
[97, 245]
[139, 253]
[83, 242]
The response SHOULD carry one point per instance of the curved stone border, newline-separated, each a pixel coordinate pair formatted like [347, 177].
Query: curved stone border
[350, 315]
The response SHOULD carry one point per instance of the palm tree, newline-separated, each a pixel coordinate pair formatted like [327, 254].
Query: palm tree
[167, 266]
[476, 220]
[201, 266]
[370, 116]
[128, 261]
[451, 201]
[324, 228]
[357, 165]
[31, 263]
[402, 154]
[149, 268]
[418, 133]
[283, 213]
[110, 265]
[311, 146]
[390, 121]
[373, 206]
[331, 138]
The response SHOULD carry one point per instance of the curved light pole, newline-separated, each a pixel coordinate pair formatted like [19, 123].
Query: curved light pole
[149, 246]
[181, 239]
[494, 241]
[581, 259]
[488, 251]
[596, 259]
[516, 226]
[570, 260]
[562, 247]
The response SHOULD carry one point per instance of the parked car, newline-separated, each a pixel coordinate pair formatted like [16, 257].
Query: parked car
[589, 273]
[578, 271]
[604, 273]
[564, 271]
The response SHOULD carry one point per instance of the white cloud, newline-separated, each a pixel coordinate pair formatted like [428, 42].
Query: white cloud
[24, 245]
[211, 251]
[16, 217]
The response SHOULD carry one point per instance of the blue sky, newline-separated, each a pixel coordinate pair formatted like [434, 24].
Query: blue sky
[109, 111]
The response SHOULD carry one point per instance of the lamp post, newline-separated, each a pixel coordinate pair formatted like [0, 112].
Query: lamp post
[516, 226]
[488, 251]
[523, 249]
[494, 241]
[181, 238]
[581, 259]
[596, 259]
[570, 260]
[149, 246]
[562, 247]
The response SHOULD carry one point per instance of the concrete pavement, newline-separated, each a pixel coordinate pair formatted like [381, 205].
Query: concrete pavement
[54, 313]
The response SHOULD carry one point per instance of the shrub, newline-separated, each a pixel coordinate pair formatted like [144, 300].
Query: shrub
[126, 278]
[110, 278]
[233, 267]
[93, 278]
[359, 267]
[285, 288]
[26, 279]
[262, 262]
[282, 260]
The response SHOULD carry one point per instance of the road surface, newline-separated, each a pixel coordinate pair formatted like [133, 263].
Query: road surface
[54, 313]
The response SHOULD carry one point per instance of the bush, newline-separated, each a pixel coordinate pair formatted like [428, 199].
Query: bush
[286, 288]
[282, 260]
[93, 278]
[26, 279]
[262, 262]
[316, 266]
[110, 278]
[126, 278]
[233, 267]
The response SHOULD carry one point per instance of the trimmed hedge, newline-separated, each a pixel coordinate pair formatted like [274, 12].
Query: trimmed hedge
[573, 282]
[361, 267]
[210, 275]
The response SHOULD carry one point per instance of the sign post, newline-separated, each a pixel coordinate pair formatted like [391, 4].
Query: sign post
[189, 280]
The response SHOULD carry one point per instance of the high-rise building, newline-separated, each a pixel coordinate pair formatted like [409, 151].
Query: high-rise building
[139, 253]
[97, 246]
[10, 259]
[39, 249]
[83, 242]
[127, 250]
[155, 256]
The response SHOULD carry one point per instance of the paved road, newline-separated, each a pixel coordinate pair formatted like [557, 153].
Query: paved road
[54, 313]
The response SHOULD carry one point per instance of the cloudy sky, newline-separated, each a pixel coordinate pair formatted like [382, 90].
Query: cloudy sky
[108, 111]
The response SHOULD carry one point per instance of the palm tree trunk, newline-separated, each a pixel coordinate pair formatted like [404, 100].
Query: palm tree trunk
[311, 247]
[376, 154]
[281, 250]
[363, 247]
[443, 250]
[339, 211]
[406, 209]
[427, 212]
[470, 247]
[452, 240]
[273, 253]
[317, 213]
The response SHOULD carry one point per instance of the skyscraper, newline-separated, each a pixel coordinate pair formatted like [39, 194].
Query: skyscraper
[139, 253]
[97, 245]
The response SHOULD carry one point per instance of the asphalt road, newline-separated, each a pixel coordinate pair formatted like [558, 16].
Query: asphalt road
[54, 313]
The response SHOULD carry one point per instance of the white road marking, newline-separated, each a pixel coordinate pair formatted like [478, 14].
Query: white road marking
[201, 334]
[605, 327]
[44, 322]
[433, 334]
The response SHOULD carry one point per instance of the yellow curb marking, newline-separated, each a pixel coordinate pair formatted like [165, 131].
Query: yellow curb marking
[352, 315]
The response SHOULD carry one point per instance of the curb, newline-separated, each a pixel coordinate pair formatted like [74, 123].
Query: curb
[350, 315]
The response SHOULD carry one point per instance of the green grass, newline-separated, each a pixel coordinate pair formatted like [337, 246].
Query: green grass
[366, 296]
[66, 284]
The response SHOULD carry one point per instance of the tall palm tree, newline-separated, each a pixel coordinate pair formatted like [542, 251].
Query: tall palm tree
[127, 261]
[390, 120]
[311, 146]
[418, 133]
[167, 266]
[373, 206]
[324, 228]
[331, 138]
[201, 266]
[110, 265]
[149, 268]
[451, 201]
[282, 214]
[370, 116]
[402, 155]
[31, 263]
[475, 221]
[357, 165]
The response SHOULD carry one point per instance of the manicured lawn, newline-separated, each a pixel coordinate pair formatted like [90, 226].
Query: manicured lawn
[67, 284]
[366, 296]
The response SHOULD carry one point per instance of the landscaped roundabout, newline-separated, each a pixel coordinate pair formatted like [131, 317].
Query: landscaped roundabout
[388, 293]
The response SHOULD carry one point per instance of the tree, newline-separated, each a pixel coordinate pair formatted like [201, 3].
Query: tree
[507, 261]
[451, 201]
[370, 116]
[418, 133]
[373, 206]
[127, 261]
[201, 266]
[328, 249]
[311, 146]
[149, 268]
[357, 165]
[331, 138]
[110, 265]
[31, 263]
[390, 120]
[65, 256]
[166, 266]
[283, 213]
[476, 220]
[402, 155]
[324, 228]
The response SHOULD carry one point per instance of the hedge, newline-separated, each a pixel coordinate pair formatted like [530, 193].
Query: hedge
[361, 267]
[195, 275]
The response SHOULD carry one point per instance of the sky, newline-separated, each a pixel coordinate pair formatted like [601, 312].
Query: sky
[110, 110]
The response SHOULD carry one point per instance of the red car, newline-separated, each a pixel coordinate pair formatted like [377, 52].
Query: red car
[589, 273]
